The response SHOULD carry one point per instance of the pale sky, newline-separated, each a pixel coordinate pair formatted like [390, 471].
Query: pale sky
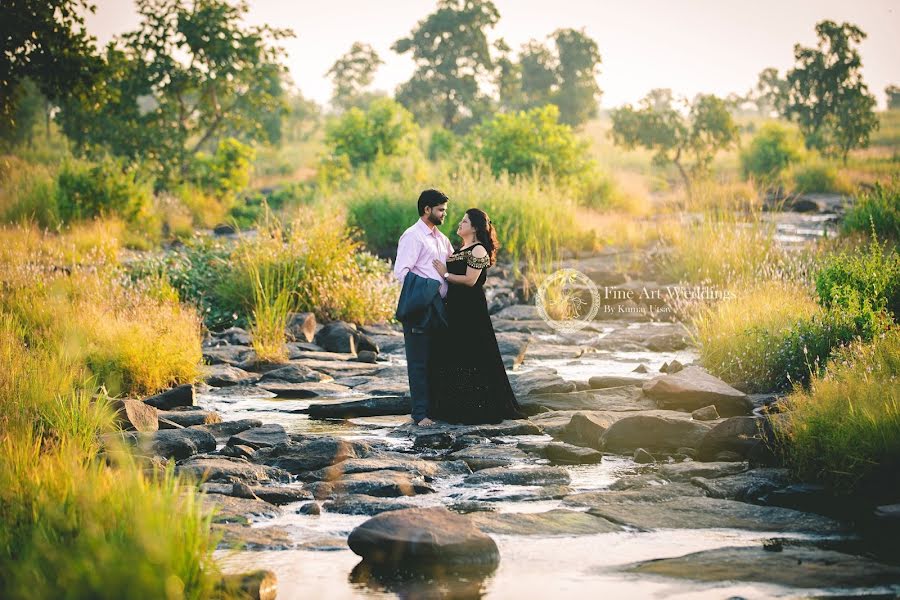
[691, 46]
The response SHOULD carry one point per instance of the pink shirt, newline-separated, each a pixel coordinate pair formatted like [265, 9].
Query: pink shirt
[419, 245]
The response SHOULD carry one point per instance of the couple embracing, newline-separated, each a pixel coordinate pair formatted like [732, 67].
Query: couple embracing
[456, 373]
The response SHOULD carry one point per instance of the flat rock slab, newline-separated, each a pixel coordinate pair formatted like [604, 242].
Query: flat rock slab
[599, 382]
[391, 461]
[554, 522]
[176, 443]
[619, 399]
[748, 486]
[383, 387]
[539, 381]
[227, 470]
[485, 456]
[563, 453]
[273, 494]
[506, 428]
[224, 430]
[294, 373]
[712, 513]
[244, 537]
[370, 407]
[311, 453]
[223, 375]
[524, 476]
[341, 368]
[309, 389]
[793, 566]
[228, 355]
[361, 504]
[653, 433]
[655, 493]
[423, 536]
[687, 470]
[693, 388]
[298, 353]
[230, 509]
[177, 419]
[265, 436]
[382, 484]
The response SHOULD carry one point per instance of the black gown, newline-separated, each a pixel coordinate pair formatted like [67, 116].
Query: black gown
[467, 379]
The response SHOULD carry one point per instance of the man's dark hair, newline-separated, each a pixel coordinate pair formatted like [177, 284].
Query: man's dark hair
[431, 198]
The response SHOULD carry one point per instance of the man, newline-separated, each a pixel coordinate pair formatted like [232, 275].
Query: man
[418, 247]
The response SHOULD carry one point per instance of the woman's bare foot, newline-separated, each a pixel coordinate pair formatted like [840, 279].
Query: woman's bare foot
[426, 422]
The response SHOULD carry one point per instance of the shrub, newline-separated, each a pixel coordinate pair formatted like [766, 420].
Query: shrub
[442, 144]
[845, 429]
[385, 128]
[817, 176]
[876, 211]
[27, 193]
[89, 190]
[771, 151]
[873, 275]
[226, 173]
[531, 142]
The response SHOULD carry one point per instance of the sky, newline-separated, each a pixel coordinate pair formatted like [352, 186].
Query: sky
[690, 46]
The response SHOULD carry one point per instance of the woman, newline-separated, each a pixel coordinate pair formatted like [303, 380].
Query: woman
[468, 381]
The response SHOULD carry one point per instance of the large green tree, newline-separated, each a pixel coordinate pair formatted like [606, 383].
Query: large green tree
[351, 74]
[452, 56]
[45, 43]
[770, 92]
[190, 75]
[688, 142]
[826, 95]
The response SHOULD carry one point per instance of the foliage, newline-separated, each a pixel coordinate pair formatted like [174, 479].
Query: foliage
[227, 172]
[770, 92]
[770, 152]
[878, 211]
[873, 275]
[352, 73]
[190, 75]
[826, 94]
[88, 190]
[27, 106]
[893, 96]
[384, 129]
[451, 53]
[845, 429]
[816, 175]
[442, 144]
[530, 142]
[659, 127]
[27, 193]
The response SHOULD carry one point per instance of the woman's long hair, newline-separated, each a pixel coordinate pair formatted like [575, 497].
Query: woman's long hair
[484, 232]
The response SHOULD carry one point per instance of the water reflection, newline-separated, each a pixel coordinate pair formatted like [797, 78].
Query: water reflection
[423, 582]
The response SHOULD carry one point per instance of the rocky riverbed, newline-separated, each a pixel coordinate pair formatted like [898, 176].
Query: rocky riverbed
[636, 474]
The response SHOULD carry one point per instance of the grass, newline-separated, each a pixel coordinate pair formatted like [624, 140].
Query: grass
[876, 211]
[845, 429]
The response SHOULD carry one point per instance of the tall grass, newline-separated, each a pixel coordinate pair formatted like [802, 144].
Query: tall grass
[845, 430]
[876, 211]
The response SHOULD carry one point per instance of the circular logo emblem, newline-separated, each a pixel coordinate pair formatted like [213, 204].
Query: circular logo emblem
[568, 300]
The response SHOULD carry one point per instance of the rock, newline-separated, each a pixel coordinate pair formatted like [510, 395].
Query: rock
[628, 398]
[353, 380]
[727, 456]
[653, 432]
[230, 509]
[488, 456]
[554, 522]
[642, 457]
[810, 497]
[707, 413]
[175, 419]
[134, 415]
[176, 443]
[229, 355]
[301, 326]
[423, 536]
[367, 356]
[519, 312]
[512, 348]
[293, 373]
[236, 536]
[693, 388]
[667, 342]
[562, 453]
[586, 428]
[795, 567]
[653, 493]
[257, 585]
[224, 430]
[674, 367]
[239, 451]
[600, 382]
[748, 486]
[337, 336]
[384, 387]
[370, 407]
[309, 389]
[524, 476]
[469, 506]
[505, 428]
[664, 368]
[310, 508]
[685, 471]
[235, 336]
[224, 469]
[223, 375]
[270, 434]
[224, 229]
[641, 369]
[358, 504]
[539, 381]
[342, 368]
[311, 453]
[741, 435]
[182, 395]
[273, 494]
[526, 493]
[382, 484]
[389, 461]
[306, 353]
[706, 513]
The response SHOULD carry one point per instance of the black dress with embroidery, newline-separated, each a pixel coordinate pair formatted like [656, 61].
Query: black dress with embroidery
[468, 382]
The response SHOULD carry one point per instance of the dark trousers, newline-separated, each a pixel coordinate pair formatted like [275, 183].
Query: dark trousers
[418, 351]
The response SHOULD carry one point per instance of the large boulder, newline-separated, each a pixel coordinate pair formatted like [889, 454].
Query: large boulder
[524, 476]
[539, 381]
[512, 348]
[370, 407]
[293, 373]
[223, 375]
[749, 486]
[176, 443]
[174, 419]
[741, 435]
[693, 388]
[229, 355]
[360, 504]
[624, 398]
[337, 336]
[387, 484]
[224, 430]
[311, 453]
[423, 537]
[653, 433]
[586, 428]
[182, 395]
[553, 522]
[301, 327]
[228, 470]
[266, 436]
[485, 456]
[134, 415]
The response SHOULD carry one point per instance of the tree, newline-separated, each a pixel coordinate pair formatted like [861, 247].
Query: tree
[538, 70]
[352, 73]
[579, 60]
[451, 54]
[674, 138]
[826, 94]
[28, 107]
[384, 129]
[191, 75]
[770, 93]
[893, 97]
[45, 42]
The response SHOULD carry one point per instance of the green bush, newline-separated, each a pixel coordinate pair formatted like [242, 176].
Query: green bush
[89, 190]
[878, 211]
[442, 144]
[873, 275]
[226, 173]
[27, 192]
[771, 151]
[531, 142]
[384, 129]
[817, 176]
